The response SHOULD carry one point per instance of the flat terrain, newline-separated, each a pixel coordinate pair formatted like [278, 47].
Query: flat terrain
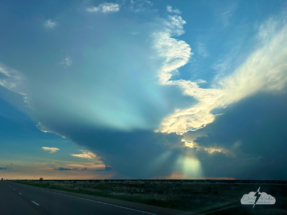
[202, 197]
[22, 199]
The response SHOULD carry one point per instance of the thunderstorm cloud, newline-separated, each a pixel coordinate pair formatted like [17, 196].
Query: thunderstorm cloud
[121, 81]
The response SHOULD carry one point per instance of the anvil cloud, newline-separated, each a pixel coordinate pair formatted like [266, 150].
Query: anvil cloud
[139, 88]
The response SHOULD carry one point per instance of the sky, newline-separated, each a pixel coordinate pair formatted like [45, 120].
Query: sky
[143, 89]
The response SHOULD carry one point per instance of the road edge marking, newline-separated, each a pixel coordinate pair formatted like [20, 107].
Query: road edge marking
[92, 201]
[36, 203]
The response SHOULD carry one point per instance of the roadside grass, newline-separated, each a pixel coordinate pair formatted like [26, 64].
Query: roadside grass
[186, 196]
[126, 197]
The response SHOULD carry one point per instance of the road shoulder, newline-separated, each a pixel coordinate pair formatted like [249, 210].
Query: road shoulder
[121, 203]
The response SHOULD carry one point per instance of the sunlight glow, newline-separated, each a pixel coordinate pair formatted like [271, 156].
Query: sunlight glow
[189, 165]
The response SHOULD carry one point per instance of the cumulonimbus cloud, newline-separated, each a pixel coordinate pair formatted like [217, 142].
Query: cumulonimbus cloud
[264, 70]
[117, 106]
[253, 76]
[114, 85]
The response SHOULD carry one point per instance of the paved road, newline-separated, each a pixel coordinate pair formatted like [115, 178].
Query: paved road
[21, 199]
[13, 203]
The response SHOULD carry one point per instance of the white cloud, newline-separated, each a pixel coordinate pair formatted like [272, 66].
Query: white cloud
[209, 150]
[202, 50]
[141, 6]
[66, 62]
[265, 70]
[177, 53]
[50, 24]
[93, 9]
[225, 17]
[225, 11]
[45, 129]
[88, 155]
[200, 81]
[170, 10]
[105, 8]
[195, 117]
[51, 149]
[12, 80]
[174, 25]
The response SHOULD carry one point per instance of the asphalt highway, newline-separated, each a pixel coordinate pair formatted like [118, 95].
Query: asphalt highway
[13, 203]
[21, 199]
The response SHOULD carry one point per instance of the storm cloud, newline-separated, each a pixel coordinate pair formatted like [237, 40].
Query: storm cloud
[106, 79]
[254, 130]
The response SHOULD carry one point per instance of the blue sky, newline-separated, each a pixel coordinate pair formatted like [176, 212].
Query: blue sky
[143, 89]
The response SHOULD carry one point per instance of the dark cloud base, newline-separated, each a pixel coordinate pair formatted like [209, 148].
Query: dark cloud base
[65, 169]
[255, 124]
[131, 154]
[259, 124]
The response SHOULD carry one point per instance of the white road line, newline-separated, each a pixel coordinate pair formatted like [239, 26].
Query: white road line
[35, 203]
[94, 201]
